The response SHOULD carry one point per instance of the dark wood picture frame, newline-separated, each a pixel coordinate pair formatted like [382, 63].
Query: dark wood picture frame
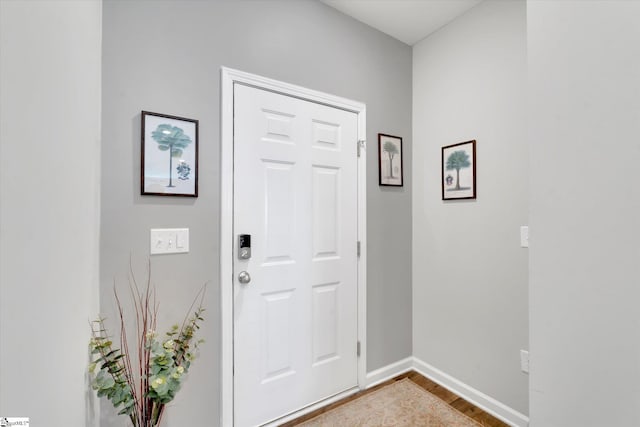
[459, 171]
[390, 169]
[166, 137]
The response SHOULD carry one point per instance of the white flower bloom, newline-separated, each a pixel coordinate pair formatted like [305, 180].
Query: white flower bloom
[157, 382]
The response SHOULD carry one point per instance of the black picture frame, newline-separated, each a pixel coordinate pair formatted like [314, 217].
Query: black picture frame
[390, 166]
[459, 160]
[160, 175]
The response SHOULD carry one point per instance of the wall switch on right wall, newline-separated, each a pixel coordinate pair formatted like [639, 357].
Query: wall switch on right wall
[524, 236]
[524, 361]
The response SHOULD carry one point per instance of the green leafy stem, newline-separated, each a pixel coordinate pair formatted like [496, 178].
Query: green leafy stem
[142, 390]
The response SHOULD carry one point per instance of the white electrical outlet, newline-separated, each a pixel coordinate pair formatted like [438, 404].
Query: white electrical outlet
[524, 236]
[169, 240]
[524, 361]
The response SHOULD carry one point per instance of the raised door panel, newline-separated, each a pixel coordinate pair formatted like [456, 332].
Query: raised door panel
[334, 257]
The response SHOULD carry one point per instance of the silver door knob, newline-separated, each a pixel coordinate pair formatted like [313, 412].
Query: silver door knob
[244, 277]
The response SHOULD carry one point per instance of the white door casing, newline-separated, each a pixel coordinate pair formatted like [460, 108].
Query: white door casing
[265, 307]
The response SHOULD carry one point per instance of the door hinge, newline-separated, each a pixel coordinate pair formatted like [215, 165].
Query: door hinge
[362, 143]
[358, 248]
[358, 349]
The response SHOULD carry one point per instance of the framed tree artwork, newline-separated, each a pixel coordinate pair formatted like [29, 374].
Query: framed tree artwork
[390, 160]
[169, 155]
[459, 171]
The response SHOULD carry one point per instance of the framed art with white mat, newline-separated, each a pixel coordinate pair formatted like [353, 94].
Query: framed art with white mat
[390, 160]
[459, 171]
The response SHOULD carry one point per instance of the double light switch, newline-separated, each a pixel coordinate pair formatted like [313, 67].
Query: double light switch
[169, 240]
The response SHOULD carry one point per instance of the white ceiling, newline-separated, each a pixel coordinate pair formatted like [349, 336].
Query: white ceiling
[406, 20]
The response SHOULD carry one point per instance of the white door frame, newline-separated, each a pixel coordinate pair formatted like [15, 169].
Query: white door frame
[229, 77]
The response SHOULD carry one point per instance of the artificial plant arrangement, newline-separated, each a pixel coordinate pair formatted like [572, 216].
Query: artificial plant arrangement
[142, 388]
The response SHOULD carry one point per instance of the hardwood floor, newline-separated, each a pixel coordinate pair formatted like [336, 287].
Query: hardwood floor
[450, 398]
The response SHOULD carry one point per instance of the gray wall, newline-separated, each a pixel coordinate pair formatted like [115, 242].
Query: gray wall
[470, 275]
[165, 57]
[584, 127]
[583, 207]
[49, 207]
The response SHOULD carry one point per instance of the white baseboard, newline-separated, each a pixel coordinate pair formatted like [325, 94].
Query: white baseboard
[387, 372]
[470, 394]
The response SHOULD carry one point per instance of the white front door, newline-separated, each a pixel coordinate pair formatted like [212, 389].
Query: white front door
[295, 193]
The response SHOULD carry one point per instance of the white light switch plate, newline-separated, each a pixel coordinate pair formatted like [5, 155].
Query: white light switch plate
[524, 236]
[169, 240]
[524, 361]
